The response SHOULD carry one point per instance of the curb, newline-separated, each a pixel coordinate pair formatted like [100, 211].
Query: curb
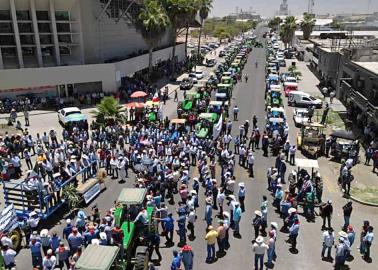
[363, 202]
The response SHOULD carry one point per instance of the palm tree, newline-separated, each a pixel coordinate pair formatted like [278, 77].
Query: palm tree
[204, 8]
[288, 29]
[177, 12]
[152, 22]
[274, 23]
[194, 6]
[109, 111]
[307, 25]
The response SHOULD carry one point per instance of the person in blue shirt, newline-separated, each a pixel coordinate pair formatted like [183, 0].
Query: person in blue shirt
[55, 241]
[68, 229]
[35, 249]
[182, 231]
[236, 218]
[176, 261]
[169, 227]
[293, 234]
[208, 211]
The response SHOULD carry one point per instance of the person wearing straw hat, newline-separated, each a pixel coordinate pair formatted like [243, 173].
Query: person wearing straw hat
[211, 238]
[236, 217]
[341, 250]
[259, 248]
[256, 222]
[208, 211]
[241, 195]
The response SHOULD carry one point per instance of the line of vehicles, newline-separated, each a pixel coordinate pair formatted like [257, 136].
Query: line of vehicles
[207, 100]
[311, 139]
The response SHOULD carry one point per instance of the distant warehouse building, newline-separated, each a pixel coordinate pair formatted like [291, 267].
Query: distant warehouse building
[62, 47]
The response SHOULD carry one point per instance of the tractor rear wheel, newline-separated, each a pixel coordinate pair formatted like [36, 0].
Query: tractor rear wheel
[141, 261]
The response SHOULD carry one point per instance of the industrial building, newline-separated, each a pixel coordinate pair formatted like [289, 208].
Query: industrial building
[57, 47]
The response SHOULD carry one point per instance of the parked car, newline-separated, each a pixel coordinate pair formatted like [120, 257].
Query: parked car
[222, 53]
[300, 116]
[186, 84]
[211, 62]
[302, 99]
[65, 114]
[197, 74]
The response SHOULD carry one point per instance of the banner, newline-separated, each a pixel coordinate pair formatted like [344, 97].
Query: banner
[92, 193]
[8, 219]
[217, 128]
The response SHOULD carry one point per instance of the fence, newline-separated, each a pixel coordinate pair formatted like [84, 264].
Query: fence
[26, 201]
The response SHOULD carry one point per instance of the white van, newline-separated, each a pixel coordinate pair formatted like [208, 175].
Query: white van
[302, 99]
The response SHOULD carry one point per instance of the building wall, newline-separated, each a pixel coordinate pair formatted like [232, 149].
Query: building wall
[108, 74]
[105, 39]
[328, 63]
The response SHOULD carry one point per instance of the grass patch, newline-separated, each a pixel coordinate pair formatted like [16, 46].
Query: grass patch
[368, 194]
[334, 119]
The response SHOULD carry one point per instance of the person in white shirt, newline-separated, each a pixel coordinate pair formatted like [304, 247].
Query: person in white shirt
[220, 200]
[191, 221]
[251, 163]
[8, 257]
[328, 241]
[6, 241]
[49, 261]
[259, 248]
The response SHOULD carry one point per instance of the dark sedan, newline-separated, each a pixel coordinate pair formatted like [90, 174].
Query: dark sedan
[186, 84]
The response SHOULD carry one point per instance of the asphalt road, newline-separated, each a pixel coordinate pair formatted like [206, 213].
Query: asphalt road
[250, 99]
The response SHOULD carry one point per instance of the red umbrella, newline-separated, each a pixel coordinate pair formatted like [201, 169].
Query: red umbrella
[138, 94]
[137, 105]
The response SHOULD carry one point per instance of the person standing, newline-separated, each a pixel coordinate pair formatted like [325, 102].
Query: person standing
[251, 162]
[49, 261]
[176, 96]
[292, 151]
[176, 261]
[347, 212]
[26, 116]
[187, 256]
[63, 254]
[236, 112]
[8, 255]
[211, 238]
[328, 241]
[259, 248]
[293, 234]
[191, 222]
[326, 214]
[271, 249]
[241, 196]
[341, 251]
[256, 222]
[221, 230]
[236, 217]
[368, 240]
[35, 249]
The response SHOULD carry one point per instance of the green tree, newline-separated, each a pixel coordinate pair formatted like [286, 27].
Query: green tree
[204, 8]
[288, 30]
[221, 33]
[307, 25]
[178, 13]
[274, 23]
[109, 110]
[152, 22]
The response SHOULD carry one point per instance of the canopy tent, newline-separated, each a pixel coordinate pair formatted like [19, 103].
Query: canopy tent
[306, 163]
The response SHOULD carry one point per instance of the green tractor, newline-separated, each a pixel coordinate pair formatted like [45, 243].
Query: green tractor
[204, 127]
[129, 204]
[95, 257]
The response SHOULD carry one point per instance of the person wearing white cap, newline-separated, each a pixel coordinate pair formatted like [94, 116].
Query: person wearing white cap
[220, 200]
[49, 261]
[259, 248]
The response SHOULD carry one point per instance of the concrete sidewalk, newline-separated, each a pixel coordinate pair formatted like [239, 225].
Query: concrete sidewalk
[364, 177]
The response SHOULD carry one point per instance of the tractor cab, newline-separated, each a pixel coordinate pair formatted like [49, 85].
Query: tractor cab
[205, 125]
[135, 230]
[276, 98]
[225, 89]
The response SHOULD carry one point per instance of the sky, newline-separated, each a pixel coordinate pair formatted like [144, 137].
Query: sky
[267, 8]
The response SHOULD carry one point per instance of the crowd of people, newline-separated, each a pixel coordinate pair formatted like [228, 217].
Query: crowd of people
[184, 171]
